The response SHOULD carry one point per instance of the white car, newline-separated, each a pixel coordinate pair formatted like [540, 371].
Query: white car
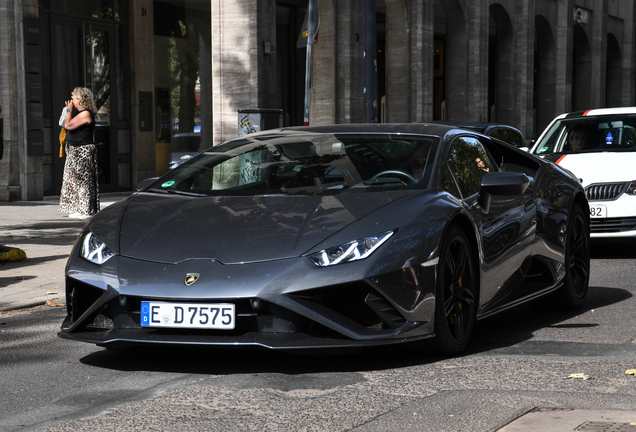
[599, 147]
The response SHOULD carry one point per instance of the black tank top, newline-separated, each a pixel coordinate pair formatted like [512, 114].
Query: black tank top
[83, 135]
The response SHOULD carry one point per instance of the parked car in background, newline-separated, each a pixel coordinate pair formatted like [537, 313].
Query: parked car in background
[183, 146]
[599, 147]
[502, 132]
[331, 236]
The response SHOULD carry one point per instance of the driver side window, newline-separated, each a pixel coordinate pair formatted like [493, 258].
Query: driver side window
[469, 162]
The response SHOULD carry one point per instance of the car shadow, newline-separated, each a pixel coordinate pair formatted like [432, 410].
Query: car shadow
[503, 330]
[613, 250]
[519, 324]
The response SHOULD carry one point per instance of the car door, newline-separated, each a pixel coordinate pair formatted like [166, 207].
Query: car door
[506, 231]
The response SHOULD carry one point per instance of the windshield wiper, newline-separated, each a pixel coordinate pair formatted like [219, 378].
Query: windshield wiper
[179, 192]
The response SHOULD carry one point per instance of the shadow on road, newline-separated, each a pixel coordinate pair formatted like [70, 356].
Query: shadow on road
[613, 250]
[504, 330]
[31, 261]
[518, 325]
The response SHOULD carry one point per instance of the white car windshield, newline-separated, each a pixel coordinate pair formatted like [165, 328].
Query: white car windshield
[590, 134]
[312, 164]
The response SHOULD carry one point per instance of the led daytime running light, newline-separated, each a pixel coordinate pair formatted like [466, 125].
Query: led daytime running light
[353, 251]
[94, 250]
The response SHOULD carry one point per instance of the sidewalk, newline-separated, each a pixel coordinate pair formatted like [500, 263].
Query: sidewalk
[47, 237]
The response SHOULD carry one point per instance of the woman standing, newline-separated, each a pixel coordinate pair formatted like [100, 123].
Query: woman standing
[80, 183]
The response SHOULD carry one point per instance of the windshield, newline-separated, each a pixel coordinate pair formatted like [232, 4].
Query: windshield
[317, 164]
[608, 133]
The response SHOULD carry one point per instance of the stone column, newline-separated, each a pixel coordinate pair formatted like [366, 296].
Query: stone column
[477, 15]
[324, 68]
[524, 70]
[243, 76]
[628, 48]
[563, 98]
[398, 69]
[421, 35]
[141, 79]
[350, 69]
[20, 174]
[598, 47]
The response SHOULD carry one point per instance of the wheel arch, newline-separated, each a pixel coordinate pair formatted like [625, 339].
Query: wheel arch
[581, 201]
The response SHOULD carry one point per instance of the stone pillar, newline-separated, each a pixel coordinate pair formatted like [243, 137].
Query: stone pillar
[243, 76]
[598, 48]
[628, 48]
[324, 68]
[142, 79]
[457, 63]
[563, 99]
[20, 174]
[9, 165]
[422, 35]
[477, 15]
[524, 70]
[350, 69]
[398, 69]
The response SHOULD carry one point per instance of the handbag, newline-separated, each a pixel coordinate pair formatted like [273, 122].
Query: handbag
[62, 139]
[63, 131]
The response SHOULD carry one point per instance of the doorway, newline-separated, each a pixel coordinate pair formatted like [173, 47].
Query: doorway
[83, 55]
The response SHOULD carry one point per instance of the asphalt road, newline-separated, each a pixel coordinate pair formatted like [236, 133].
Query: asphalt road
[517, 362]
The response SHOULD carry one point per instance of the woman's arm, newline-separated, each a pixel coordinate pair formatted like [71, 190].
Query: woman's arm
[81, 119]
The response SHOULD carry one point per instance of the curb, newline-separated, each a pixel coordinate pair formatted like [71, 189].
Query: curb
[29, 303]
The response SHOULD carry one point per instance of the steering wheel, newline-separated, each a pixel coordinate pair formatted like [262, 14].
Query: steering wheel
[401, 174]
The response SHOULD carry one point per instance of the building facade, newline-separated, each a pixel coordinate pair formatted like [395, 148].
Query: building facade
[170, 76]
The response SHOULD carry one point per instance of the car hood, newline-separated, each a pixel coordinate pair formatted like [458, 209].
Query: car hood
[172, 229]
[601, 167]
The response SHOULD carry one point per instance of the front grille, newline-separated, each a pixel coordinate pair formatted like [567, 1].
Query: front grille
[612, 225]
[605, 191]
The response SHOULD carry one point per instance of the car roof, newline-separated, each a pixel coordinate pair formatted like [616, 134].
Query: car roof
[393, 128]
[476, 125]
[600, 111]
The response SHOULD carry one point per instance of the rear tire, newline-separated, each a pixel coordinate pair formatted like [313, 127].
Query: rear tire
[456, 294]
[577, 262]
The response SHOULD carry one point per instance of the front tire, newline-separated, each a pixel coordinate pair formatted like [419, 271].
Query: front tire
[577, 262]
[456, 294]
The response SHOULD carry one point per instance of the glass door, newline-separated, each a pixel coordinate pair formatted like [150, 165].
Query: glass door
[82, 54]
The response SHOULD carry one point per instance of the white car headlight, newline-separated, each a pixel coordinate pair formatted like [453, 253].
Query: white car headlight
[94, 250]
[632, 188]
[353, 251]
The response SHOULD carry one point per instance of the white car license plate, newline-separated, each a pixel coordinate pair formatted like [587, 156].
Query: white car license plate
[188, 315]
[598, 210]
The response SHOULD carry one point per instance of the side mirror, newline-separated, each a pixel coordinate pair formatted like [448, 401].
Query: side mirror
[145, 183]
[501, 183]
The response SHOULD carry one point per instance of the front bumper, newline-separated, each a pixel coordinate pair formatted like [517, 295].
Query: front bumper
[620, 220]
[301, 306]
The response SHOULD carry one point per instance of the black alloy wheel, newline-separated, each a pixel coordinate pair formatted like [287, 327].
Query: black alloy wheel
[577, 261]
[456, 294]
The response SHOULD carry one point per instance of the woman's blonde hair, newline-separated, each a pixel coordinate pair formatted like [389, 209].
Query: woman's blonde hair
[85, 97]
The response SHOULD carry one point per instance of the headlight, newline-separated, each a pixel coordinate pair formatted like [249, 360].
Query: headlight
[353, 251]
[94, 250]
[632, 188]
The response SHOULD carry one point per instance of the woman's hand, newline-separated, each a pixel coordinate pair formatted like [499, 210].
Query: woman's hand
[69, 104]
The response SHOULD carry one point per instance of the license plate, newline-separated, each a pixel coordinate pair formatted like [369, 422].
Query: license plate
[598, 211]
[188, 315]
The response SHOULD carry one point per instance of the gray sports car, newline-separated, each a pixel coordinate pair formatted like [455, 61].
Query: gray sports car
[331, 236]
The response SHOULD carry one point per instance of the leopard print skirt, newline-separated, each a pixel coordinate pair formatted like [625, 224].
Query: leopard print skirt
[80, 182]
